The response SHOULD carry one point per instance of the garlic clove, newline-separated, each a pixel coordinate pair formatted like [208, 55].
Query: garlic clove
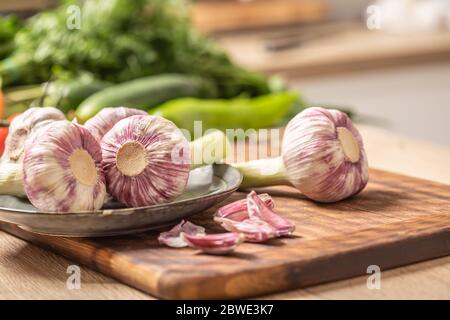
[62, 169]
[172, 238]
[257, 209]
[105, 120]
[146, 160]
[254, 230]
[222, 243]
[324, 155]
[253, 217]
[237, 210]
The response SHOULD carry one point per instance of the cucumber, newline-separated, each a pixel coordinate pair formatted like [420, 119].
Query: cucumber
[145, 93]
[68, 95]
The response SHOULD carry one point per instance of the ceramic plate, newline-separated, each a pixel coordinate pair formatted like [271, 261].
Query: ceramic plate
[206, 187]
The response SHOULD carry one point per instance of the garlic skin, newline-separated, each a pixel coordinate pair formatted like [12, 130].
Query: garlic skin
[216, 244]
[238, 210]
[103, 121]
[259, 223]
[62, 169]
[11, 162]
[146, 160]
[172, 238]
[324, 156]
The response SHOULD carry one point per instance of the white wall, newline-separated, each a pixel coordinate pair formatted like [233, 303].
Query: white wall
[412, 100]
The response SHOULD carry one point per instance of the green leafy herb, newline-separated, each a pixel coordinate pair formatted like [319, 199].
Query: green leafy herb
[120, 40]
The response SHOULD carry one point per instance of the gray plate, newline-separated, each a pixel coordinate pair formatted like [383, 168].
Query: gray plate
[206, 187]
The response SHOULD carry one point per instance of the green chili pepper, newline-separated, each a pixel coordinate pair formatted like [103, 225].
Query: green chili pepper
[242, 112]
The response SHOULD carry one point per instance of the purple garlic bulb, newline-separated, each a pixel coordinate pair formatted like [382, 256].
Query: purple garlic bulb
[62, 169]
[20, 129]
[322, 156]
[146, 160]
[103, 121]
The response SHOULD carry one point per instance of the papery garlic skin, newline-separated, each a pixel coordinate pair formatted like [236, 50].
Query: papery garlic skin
[62, 169]
[146, 160]
[238, 210]
[102, 122]
[324, 156]
[11, 162]
[259, 223]
[255, 230]
[172, 238]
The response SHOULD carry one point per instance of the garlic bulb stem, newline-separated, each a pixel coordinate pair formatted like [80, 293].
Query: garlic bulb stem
[212, 148]
[11, 162]
[263, 173]
[11, 179]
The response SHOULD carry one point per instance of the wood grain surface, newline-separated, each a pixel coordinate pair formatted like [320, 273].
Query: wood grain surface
[397, 220]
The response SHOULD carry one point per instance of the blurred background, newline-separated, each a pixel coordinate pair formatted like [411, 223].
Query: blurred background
[387, 60]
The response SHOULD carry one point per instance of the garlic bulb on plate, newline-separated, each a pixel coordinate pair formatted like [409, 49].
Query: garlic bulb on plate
[11, 175]
[146, 160]
[62, 169]
[323, 156]
[103, 121]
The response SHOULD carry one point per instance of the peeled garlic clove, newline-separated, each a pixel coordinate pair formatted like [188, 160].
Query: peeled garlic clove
[172, 238]
[146, 160]
[253, 230]
[237, 210]
[324, 156]
[103, 121]
[62, 169]
[221, 243]
[257, 209]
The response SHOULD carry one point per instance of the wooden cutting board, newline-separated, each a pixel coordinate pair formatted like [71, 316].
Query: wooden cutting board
[397, 220]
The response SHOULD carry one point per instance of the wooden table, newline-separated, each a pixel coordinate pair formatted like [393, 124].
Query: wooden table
[28, 272]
